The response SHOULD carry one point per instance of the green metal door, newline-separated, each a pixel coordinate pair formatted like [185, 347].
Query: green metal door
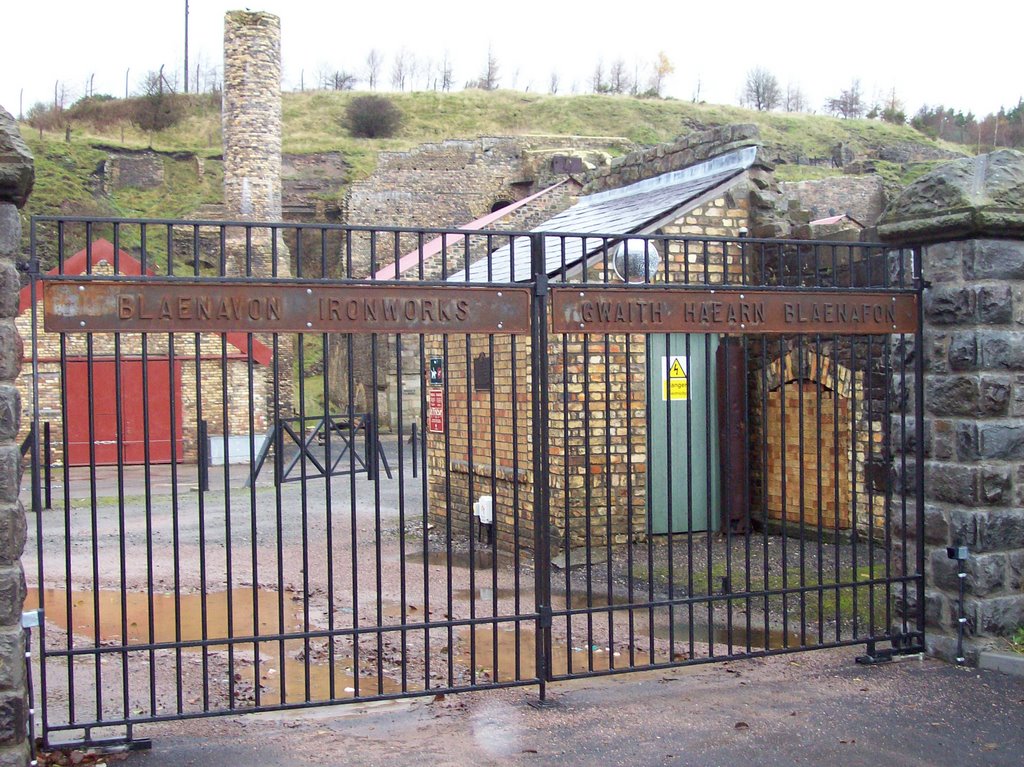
[683, 473]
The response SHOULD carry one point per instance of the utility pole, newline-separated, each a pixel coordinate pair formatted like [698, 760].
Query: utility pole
[186, 46]
[129, 69]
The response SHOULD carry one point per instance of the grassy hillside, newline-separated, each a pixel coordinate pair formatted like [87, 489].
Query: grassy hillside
[314, 122]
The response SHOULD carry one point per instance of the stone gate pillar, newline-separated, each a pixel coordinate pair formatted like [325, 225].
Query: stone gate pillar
[968, 216]
[16, 178]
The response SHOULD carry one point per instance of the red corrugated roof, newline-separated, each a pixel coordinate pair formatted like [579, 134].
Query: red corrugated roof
[101, 252]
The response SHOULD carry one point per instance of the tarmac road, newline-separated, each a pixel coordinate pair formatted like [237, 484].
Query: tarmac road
[813, 708]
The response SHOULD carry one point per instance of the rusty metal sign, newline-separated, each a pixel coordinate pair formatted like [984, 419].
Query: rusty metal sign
[88, 306]
[733, 310]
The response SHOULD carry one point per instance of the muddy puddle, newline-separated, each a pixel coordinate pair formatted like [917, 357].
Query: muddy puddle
[110, 617]
[272, 671]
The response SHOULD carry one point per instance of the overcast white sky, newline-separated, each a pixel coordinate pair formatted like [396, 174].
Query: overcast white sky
[963, 55]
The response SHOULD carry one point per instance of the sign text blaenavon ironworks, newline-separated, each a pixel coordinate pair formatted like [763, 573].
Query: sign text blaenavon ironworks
[610, 310]
[109, 306]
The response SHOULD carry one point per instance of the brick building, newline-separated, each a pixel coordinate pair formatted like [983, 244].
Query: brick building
[619, 452]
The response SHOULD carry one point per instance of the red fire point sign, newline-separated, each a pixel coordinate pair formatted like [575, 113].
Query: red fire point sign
[435, 411]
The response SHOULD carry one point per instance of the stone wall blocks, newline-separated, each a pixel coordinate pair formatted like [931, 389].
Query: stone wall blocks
[12, 594]
[1001, 530]
[1015, 571]
[10, 233]
[12, 718]
[1000, 615]
[1001, 350]
[12, 532]
[944, 261]
[949, 304]
[17, 173]
[936, 525]
[11, 350]
[986, 573]
[951, 483]
[12, 653]
[963, 527]
[995, 260]
[995, 304]
[994, 397]
[963, 352]
[1003, 442]
[967, 449]
[952, 395]
[943, 571]
[10, 411]
[15, 756]
[10, 473]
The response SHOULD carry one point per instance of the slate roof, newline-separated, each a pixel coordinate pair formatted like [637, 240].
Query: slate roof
[625, 210]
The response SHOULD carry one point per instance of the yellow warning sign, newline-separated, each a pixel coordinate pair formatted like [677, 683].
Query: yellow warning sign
[674, 383]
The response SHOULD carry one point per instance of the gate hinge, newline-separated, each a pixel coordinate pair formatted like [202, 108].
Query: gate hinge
[544, 620]
[28, 267]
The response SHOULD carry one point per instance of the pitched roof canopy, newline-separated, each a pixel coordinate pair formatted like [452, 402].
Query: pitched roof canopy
[627, 210]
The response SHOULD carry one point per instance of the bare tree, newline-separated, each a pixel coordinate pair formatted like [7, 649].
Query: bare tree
[662, 69]
[489, 79]
[62, 94]
[848, 104]
[400, 69]
[373, 64]
[446, 72]
[761, 90]
[156, 108]
[553, 84]
[618, 77]
[339, 80]
[894, 112]
[426, 71]
[794, 100]
[597, 83]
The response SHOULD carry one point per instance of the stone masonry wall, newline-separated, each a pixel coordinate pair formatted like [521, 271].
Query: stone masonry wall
[974, 437]
[861, 197]
[967, 219]
[685, 151]
[457, 181]
[16, 178]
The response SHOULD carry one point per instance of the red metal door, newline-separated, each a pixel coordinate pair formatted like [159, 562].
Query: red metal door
[145, 413]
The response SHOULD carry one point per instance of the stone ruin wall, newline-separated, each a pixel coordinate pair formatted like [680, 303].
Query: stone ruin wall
[860, 197]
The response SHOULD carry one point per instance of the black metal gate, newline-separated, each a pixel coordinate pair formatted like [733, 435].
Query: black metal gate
[325, 466]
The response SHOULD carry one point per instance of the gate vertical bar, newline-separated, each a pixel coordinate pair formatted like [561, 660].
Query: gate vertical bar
[919, 440]
[541, 463]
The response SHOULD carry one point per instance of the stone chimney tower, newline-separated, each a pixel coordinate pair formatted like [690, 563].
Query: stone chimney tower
[252, 132]
[251, 115]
